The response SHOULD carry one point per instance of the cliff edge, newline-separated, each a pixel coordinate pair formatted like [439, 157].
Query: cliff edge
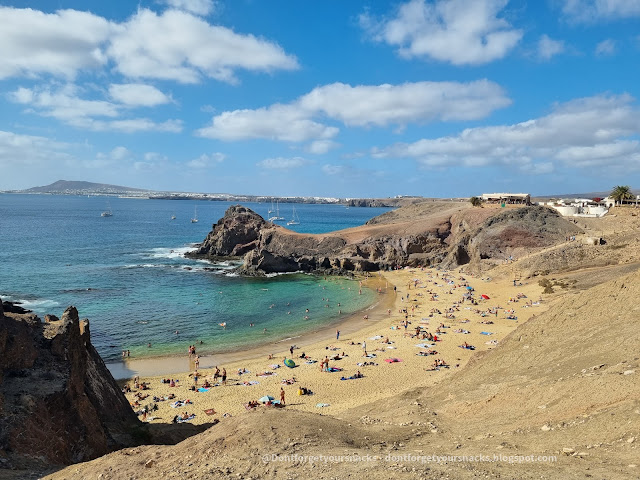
[59, 403]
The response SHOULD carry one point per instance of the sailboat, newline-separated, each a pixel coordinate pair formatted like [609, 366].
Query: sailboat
[277, 216]
[195, 215]
[271, 210]
[107, 212]
[295, 220]
[173, 217]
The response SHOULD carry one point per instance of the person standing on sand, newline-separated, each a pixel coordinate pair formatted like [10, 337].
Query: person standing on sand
[364, 347]
[224, 376]
[281, 396]
[337, 334]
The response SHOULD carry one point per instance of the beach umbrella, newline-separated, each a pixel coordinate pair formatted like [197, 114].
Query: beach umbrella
[266, 399]
[486, 297]
[469, 288]
[289, 363]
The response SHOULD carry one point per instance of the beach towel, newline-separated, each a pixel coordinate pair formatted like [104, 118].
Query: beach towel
[274, 366]
[352, 377]
[486, 333]
[308, 362]
[424, 345]
[203, 389]
[377, 337]
[210, 411]
[321, 405]
[470, 347]
[371, 355]
[266, 374]
[181, 420]
[334, 369]
[252, 382]
[392, 360]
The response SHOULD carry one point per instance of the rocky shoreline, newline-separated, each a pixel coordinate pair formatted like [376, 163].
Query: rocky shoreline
[420, 235]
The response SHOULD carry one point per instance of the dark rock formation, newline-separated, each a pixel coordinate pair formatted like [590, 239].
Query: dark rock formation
[59, 403]
[234, 235]
[458, 238]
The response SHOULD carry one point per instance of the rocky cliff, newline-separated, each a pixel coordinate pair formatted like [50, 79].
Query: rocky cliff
[59, 403]
[425, 234]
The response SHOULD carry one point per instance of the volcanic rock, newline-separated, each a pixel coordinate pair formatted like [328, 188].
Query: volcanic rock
[59, 403]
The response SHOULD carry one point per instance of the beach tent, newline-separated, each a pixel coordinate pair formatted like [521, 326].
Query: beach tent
[289, 363]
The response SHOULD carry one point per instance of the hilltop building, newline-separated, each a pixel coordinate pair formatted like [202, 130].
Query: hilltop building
[581, 207]
[507, 198]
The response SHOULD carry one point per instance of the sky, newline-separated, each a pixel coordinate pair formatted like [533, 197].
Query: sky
[330, 98]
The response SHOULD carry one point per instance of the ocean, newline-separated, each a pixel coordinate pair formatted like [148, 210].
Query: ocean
[128, 275]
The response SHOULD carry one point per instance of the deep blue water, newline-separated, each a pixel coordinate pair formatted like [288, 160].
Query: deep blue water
[126, 273]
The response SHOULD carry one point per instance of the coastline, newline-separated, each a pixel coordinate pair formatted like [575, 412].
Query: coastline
[163, 365]
[258, 372]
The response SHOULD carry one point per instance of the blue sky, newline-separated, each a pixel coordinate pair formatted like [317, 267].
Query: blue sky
[322, 98]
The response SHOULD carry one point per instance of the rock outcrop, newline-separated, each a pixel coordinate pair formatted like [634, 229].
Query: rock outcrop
[59, 403]
[409, 236]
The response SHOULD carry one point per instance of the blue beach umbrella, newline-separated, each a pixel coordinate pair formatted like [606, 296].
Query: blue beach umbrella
[266, 398]
[289, 363]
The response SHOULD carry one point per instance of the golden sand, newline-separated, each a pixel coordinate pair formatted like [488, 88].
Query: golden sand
[379, 381]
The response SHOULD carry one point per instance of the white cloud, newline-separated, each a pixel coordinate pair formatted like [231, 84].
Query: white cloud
[119, 153]
[61, 43]
[591, 11]
[421, 102]
[206, 161]
[548, 47]
[320, 147]
[134, 125]
[281, 163]
[606, 47]
[580, 133]
[28, 150]
[286, 123]
[65, 105]
[175, 45]
[461, 32]
[362, 106]
[182, 47]
[199, 7]
[330, 169]
[137, 95]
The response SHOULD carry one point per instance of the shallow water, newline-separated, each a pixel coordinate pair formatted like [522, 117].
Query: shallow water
[128, 275]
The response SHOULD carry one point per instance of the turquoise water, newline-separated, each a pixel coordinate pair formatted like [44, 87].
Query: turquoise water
[128, 275]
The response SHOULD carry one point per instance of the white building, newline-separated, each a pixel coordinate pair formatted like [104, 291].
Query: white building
[513, 198]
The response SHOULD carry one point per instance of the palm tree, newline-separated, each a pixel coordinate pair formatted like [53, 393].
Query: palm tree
[621, 193]
[476, 201]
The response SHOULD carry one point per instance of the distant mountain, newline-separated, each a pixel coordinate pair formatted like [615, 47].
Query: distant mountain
[70, 186]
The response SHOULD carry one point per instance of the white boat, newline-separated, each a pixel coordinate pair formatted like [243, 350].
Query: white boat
[295, 220]
[195, 215]
[173, 217]
[107, 212]
[277, 216]
[271, 210]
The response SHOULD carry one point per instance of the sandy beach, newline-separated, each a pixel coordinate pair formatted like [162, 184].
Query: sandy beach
[425, 294]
